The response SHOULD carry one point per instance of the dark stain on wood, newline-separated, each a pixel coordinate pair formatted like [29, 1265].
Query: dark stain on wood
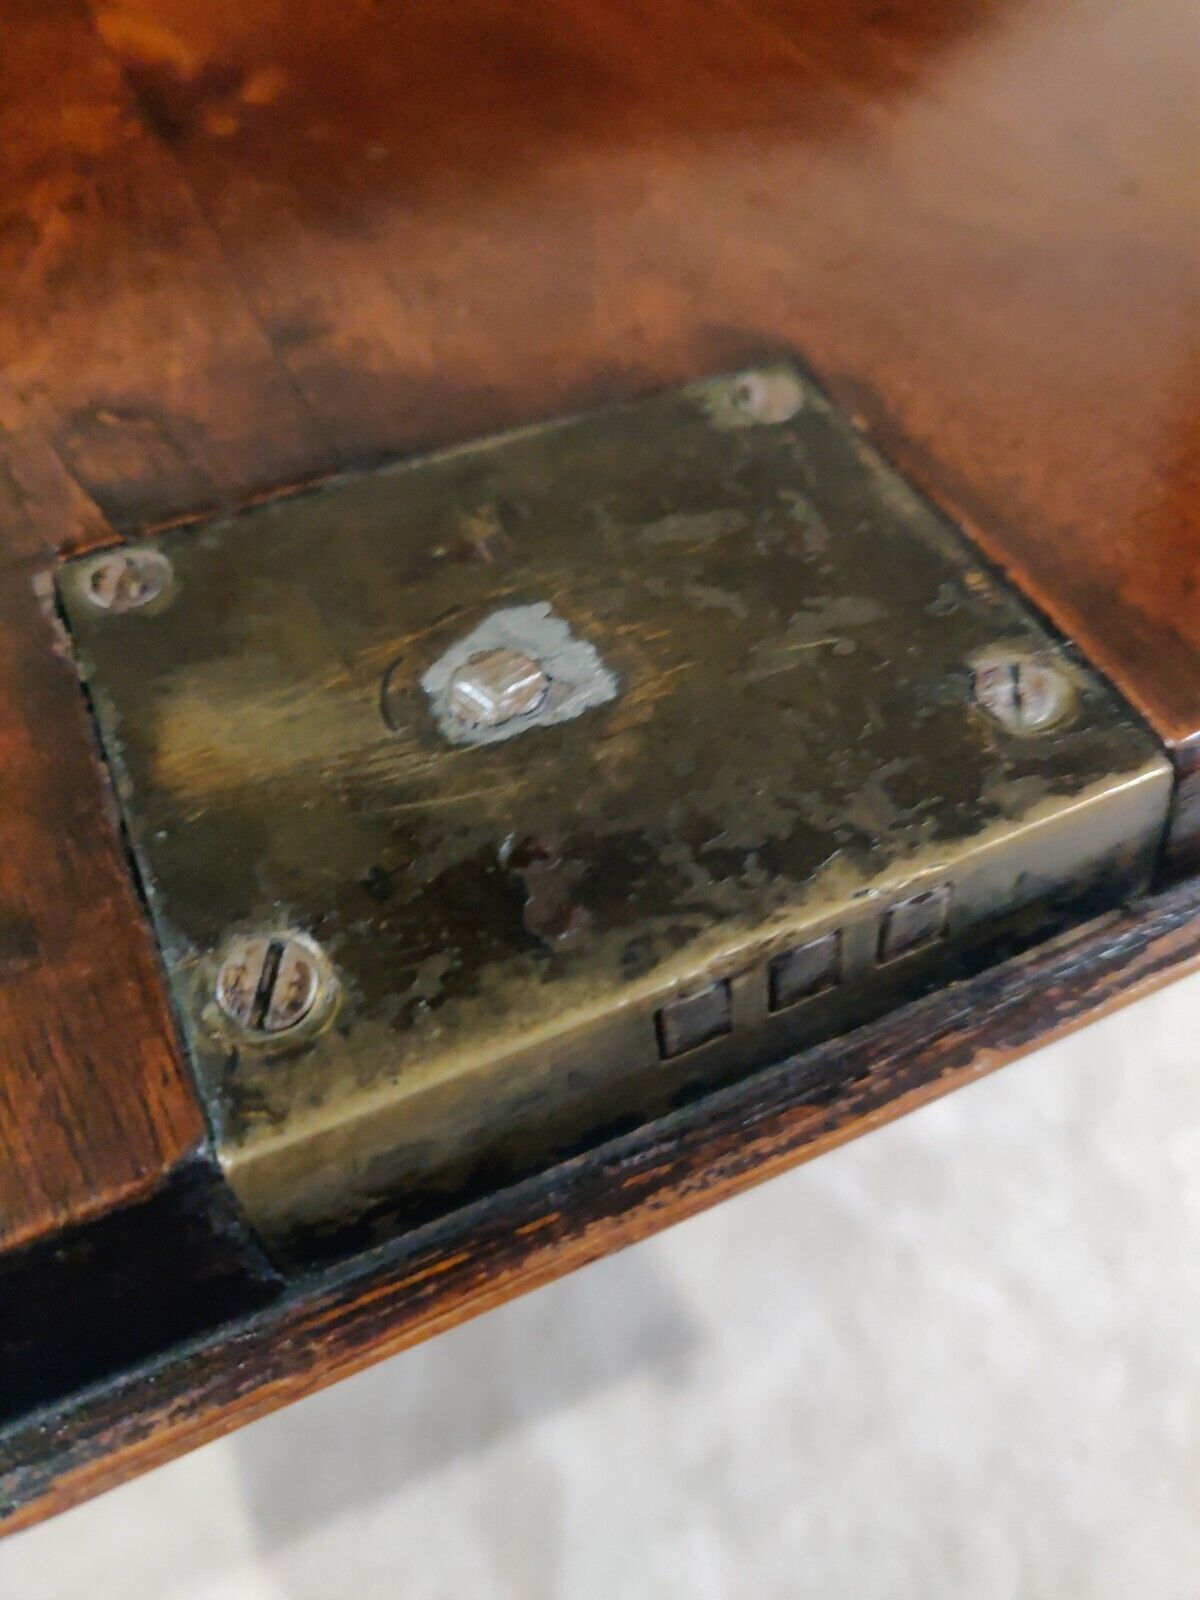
[98, 1299]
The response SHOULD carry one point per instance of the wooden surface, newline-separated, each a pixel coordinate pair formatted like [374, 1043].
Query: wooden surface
[247, 244]
[330, 1327]
[256, 241]
[95, 1106]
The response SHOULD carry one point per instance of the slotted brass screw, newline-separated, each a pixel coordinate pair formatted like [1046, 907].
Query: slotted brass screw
[268, 984]
[127, 579]
[1022, 692]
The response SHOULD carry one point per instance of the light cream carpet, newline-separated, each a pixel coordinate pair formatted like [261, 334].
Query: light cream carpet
[960, 1359]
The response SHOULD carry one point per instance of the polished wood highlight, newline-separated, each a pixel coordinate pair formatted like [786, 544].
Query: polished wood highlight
[331, 1326]
[256, 241]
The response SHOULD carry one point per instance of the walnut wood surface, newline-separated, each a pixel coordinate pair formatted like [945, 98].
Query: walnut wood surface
[245, 244]
[329, 1327]
[95, 1106]
[260, 240]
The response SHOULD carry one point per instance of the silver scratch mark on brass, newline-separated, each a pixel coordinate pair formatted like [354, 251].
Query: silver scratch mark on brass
[576, 678]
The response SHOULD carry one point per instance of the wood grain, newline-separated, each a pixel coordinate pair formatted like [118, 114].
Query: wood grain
[315, 234]
[95, 1103]
[245, 244]
[331, 1326]
[124, 338]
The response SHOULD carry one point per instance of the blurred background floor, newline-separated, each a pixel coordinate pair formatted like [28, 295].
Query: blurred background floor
[958, 1358]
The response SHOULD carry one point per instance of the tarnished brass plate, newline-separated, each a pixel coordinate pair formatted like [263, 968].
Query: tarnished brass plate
[488, 803]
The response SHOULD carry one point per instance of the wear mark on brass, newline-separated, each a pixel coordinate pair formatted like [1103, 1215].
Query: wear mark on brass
[520, 668]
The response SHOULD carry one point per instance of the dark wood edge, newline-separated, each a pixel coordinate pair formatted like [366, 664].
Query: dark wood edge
[1181, 856]
[115, 1292]
[327, 1327]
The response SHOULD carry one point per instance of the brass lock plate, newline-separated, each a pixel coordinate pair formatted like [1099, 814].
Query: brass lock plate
[488, 803]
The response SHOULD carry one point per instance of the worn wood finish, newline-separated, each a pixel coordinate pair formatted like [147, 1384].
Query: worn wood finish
[330, 1327]
[246, 244]
[95, 1104]
[293, 236]
[99, 1298]
[129, 353]
[96, 1107]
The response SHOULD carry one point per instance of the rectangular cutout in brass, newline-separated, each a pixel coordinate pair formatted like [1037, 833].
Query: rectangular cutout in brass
[695, 1019]
[807, 970]
[912, 924]
[448, 785]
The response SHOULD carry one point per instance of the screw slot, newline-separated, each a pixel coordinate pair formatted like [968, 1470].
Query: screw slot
[269, 985]
[1024, 693]
[126, 580]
